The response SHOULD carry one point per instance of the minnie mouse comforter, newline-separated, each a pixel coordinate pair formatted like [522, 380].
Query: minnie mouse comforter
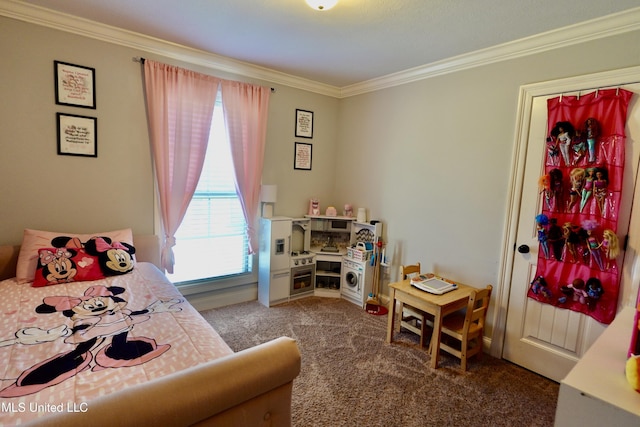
[63, 345]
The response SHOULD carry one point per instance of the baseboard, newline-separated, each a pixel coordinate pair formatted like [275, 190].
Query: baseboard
[234, 295]
[384, 299]
[223, 297]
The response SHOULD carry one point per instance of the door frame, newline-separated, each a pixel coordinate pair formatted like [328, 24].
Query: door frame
[516, 180]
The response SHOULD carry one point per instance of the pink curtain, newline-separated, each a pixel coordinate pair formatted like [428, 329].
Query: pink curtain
[180, 108]
[246, 109]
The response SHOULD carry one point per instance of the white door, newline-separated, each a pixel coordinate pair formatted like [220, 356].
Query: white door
[540, 337]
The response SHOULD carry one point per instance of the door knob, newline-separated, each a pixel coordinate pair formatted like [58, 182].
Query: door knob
[523, 249]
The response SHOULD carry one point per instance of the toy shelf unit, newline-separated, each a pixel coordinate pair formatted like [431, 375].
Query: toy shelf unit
[366, 232]
[364, 236]
[330, 237]
[328, 275]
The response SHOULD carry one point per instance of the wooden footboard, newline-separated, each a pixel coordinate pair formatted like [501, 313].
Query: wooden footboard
[249, 388]
[8, 260]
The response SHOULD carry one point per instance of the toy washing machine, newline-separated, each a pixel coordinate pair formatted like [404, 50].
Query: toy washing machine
[357, 280]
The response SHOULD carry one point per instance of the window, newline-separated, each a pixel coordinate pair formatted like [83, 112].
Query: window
[212, 240]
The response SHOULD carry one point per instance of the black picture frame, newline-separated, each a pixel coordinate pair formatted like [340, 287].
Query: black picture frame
[304, 124]
[75, 85]
[77, 135]
[302, 156]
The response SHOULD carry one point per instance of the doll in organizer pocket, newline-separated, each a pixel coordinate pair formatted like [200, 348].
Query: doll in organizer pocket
[592, 132]
[553, 151]
[579, 148]
[555, 185]
[542, 221]
[544, 183]
[600, 184]
[551, 186]
[587, 187]
[563, 133]
[592, 243]
[610, 246]
[576, 176]
[574, 237]
[555, 238]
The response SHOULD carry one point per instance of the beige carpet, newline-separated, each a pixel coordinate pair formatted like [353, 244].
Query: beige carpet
[351, 377]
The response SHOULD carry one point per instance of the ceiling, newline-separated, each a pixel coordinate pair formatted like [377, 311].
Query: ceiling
[356, 41]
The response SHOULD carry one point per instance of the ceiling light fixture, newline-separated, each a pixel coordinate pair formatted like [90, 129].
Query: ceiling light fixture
[321, 4]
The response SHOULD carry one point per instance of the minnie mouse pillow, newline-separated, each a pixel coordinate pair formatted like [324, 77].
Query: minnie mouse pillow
[99, 258]
[115, 258]
[64, 265]
[33, 240]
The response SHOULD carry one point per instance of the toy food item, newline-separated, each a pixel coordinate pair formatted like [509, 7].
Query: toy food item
[632, 369]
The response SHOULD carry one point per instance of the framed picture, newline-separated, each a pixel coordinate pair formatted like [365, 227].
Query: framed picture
[302, 156]
[75, 85]
[304, 124]
[77, 135]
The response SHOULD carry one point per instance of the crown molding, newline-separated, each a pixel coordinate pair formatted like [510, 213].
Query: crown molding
[594, 29]
[91, 29]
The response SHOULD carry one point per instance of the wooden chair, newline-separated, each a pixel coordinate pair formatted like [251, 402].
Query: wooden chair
[413, 319]
[465, 328]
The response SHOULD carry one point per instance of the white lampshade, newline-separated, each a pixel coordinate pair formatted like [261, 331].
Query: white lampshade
[321, 4]
[269, 193]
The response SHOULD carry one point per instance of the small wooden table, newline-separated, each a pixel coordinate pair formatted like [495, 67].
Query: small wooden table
[438, 305]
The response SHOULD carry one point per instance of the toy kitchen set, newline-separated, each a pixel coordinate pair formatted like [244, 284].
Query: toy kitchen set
[321, 255]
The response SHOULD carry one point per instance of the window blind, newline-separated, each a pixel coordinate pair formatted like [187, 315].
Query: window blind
[211, 241]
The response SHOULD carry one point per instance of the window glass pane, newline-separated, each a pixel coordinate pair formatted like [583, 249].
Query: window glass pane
[211, 241]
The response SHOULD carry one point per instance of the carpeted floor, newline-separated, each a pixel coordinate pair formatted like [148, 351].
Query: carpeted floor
[351, 377]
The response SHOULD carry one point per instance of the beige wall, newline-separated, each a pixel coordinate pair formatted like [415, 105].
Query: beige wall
[296, 187]
[40, 189]
[43, 190]
[432, 159]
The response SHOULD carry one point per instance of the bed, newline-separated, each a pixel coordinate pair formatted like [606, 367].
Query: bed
[124, 349]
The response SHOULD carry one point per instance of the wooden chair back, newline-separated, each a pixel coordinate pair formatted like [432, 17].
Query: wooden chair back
[477, 310]
[407, 270]
[467, 328]
[413, 319]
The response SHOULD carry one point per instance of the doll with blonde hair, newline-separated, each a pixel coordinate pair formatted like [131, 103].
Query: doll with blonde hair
[576, 176]
[610, 245]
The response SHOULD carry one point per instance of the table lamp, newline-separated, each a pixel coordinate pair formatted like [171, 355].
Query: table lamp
[268, 196]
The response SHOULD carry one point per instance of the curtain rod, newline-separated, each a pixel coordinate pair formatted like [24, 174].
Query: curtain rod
[141, 60]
